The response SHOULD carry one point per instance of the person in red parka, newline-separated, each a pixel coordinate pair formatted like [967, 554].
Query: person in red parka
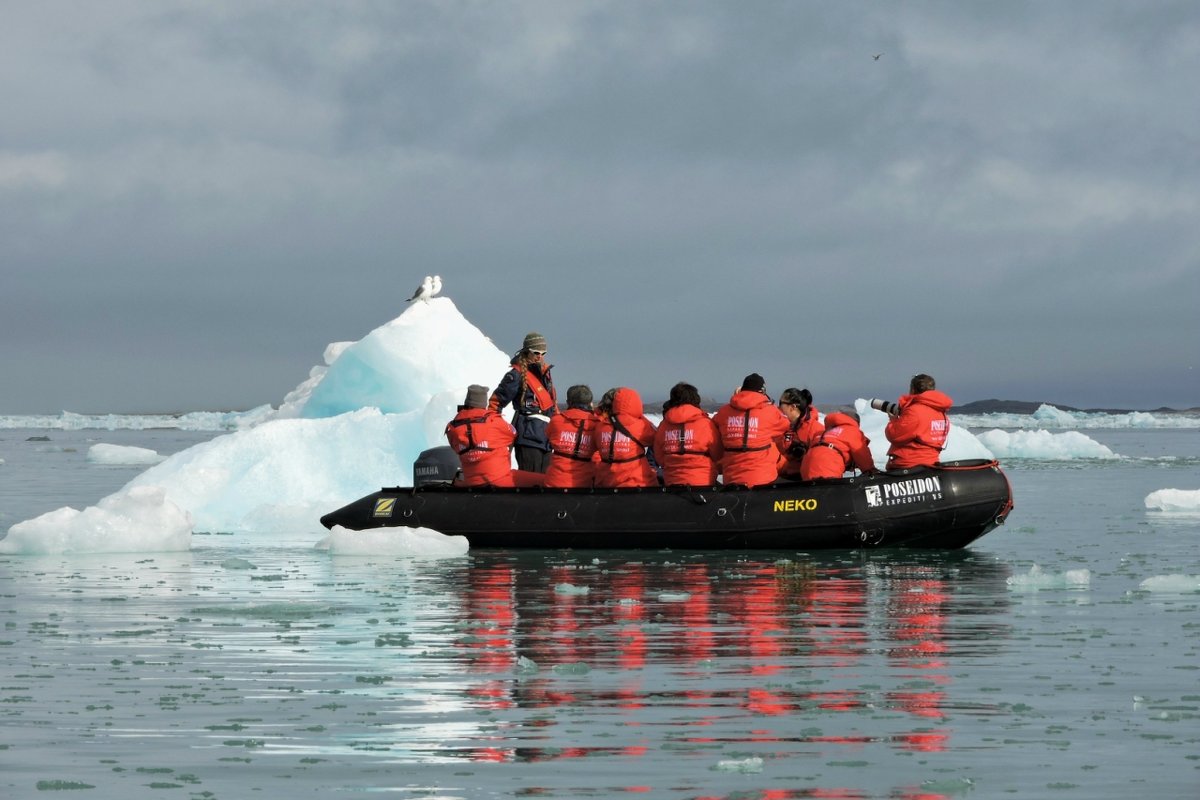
[805, 428]
[751, 430]
[842, 447]
[622, 436]
[686, 444]
[919, 430]
[483, 440]
[572, 436]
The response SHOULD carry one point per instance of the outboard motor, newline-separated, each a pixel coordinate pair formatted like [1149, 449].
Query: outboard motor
[435, 465]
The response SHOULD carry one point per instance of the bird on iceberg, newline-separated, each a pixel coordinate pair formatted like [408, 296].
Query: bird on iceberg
[436, 286]
[424, 291]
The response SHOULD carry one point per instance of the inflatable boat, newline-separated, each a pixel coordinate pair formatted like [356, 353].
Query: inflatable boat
[943, 507]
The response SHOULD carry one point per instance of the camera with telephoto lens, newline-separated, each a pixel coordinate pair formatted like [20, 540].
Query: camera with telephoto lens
[889, 408]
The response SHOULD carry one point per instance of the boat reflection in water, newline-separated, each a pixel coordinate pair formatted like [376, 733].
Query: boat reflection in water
[776, 656]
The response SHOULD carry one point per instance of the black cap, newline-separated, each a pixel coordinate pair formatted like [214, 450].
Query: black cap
[753, 383]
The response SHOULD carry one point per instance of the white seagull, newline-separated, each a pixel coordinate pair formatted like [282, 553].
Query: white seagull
[424, 291]
[437, 286]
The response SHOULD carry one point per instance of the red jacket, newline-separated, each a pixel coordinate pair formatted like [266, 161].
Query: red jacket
[687, 447]
[800, 434]
[751, 429]
[483, 441]
[918, 434]
[842, 447]
[572, 437]
[623, 459]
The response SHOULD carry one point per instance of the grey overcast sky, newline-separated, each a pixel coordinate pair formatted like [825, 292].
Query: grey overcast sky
[196, 197]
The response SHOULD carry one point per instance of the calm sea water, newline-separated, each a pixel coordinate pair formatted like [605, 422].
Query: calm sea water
[262, 667]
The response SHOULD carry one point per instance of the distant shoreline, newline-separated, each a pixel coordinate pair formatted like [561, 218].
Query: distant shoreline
[1026, 407]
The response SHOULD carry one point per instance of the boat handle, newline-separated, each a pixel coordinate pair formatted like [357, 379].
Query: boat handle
[722, 512]
[562, 515]
[407, 513]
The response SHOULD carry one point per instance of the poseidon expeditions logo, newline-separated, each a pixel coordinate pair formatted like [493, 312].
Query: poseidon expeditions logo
[915, 490]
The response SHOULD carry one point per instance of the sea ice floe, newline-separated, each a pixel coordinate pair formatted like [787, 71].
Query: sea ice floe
[1037, 579]
[1174, 500]
[141, 519]
[1043, 444]
[414, 542]
[1171, 583]
[121, 455]
[746, 765]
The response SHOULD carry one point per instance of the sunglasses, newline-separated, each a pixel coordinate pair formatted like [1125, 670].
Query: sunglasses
[537, 352]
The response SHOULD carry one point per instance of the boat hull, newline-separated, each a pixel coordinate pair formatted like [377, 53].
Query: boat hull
[944, 507]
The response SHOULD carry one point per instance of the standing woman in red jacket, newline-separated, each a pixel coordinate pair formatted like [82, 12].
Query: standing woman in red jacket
[751, 430]
[572, 436]
[622, 437]
[919, 428]
[687, 445]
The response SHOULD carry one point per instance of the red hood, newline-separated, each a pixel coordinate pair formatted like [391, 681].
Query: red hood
[745, 400]
[681, 414]
[837, 418]
[933, 398]
[627, 401]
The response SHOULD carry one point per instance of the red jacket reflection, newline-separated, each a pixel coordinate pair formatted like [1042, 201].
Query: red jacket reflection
[687, 447]
[572, 436]
[483, 441]
[621, 441]
[918, 434]
[751, 429]
[841, 447]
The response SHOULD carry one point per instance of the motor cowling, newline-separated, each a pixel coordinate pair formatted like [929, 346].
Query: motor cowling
[435, 465]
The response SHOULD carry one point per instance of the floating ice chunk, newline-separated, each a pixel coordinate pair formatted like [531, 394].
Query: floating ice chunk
[576, 668]
[1037, 579]
[1174, 500]
[567, 588]
[526, 665]
[1171, 583]
[674, 597]
[416, 542]
[745, 765]
[137, 520]
[1044, 445]
[116, 454]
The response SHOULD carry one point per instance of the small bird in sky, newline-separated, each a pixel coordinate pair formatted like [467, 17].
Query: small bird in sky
[424, 291]
[876, 56]
[436, 286]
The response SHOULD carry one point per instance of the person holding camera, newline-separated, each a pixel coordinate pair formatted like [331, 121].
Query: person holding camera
[918, 427]
[805, 428]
